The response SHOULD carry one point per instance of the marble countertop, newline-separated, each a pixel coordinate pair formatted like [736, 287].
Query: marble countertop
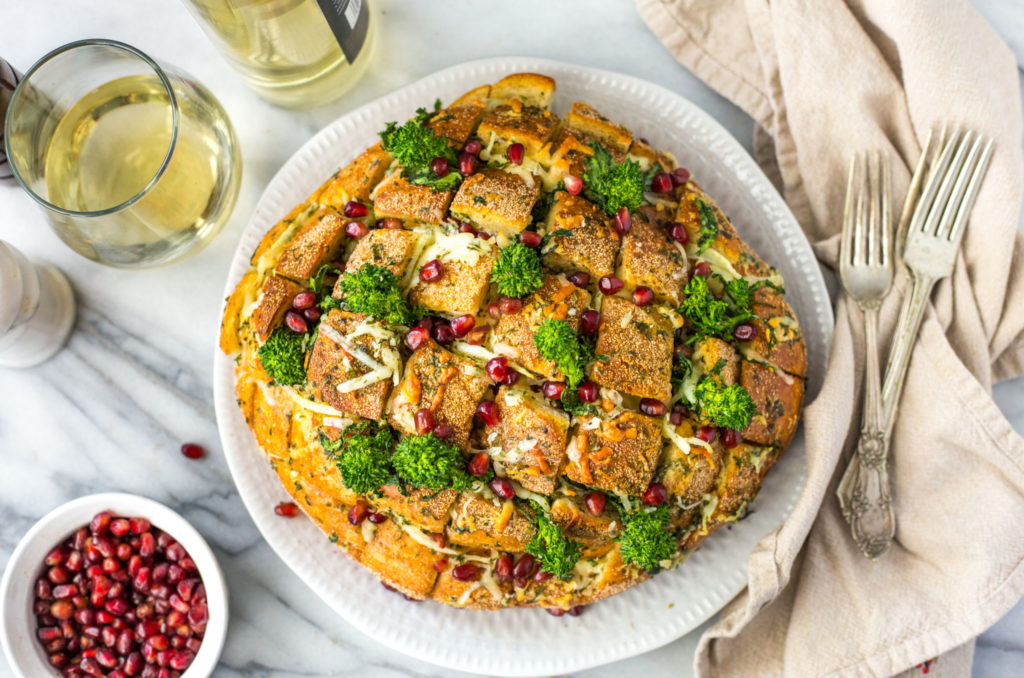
[134, 383]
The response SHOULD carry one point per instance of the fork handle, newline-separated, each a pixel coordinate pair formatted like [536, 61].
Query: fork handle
[863, 492]
[907, 327]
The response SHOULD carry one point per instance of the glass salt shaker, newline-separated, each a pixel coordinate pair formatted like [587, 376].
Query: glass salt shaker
[37, 309]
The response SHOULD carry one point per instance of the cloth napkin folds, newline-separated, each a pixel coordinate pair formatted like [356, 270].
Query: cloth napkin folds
[824, 79]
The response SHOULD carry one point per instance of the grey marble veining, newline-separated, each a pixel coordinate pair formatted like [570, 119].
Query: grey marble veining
[110, 411]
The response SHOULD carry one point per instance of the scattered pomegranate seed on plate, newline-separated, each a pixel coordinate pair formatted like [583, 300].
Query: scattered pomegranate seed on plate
[193, 451]
[287, 509]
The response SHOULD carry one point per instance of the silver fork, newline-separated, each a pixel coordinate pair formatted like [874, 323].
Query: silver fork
[957, 165]
[866, 271]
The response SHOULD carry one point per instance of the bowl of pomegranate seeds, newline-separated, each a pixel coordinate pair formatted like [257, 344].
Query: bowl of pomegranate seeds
[113, 585]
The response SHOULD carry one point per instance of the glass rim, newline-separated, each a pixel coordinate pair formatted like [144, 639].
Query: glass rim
[93, 42]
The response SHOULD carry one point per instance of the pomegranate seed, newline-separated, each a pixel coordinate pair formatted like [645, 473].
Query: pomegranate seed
[552, 389]
[468, 164]
[85, 616]
[502, 488]
[357, 514]
[707, 434]
[442, 431]
[679, 176]
[478, 335]
[133, 664]
[511, 378]
[391, 223]
[304, 300]
[296, 322]
[312, 314]
[520, 582]
[44, 589]
[91, 666]
[145, 629]
[676, 418]
[652, 407]
[744, 332]
[587, 391]
[679, 233]
[510, 305]
[643, 296]
[104, 545]
[111, 565]
[178, 604]
[175, 551]
[139, 525]
[524, 567]
[376, 518]
[48, 633]
[116, 606]
[576, 610]
[730, 437]
[58, 660]
[497, 369]
[149, 652]
[100, 522]
[181, 660]
[58, 575]
[466, 572]
[159, 642]
[515, 153]
[443, 334]
[609, 284]
[424, 420]
[661, 183]
[473, 147]
[462, 324]
[416, 336]
[655, 495]
[192, 644]
[542, 576]
[65, 591]
[81, 534]
[555, 611]
[147, 544]
[199, 614]
[355, 210]
[623, 222]
[75, 561]
[439, 166]
[286, 509]
[479, 464]
[56, 557]
[530, 238]
[503, 568]
[573, 184]
[579, 279]
[590, 321]
[108, 635]
[431, 271]
[488, 412]
[104, 617]
[702, 269]
[494, 310]
[595, 502]
[356, 229]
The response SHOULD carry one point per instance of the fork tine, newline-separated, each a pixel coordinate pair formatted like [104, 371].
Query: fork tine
[933, 223]
[960, 223]
[862, 206]
[959, 188]
[936, 172]
[916, 180]
[886, 235]
[874, 216]
[845, 243]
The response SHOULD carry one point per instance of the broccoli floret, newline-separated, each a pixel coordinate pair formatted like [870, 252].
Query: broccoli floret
[362, 454]
[283, 357]
[374, 291]
[428, 461]
[557, 341]
[708, 226]
[415, 145]
[728, 406]
[516, 271]
[613, 185]
[557, 553]
[574, 405]
[645, 540]
[711, 316]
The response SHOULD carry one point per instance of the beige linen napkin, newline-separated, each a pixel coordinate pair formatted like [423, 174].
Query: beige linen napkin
[824, 79]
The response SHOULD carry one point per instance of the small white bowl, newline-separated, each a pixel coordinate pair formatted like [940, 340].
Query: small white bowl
[17, 622]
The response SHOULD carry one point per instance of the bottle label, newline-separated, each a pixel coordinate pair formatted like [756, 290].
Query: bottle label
[348, 20]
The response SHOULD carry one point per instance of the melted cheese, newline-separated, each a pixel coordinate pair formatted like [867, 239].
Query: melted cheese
[273, 253]
[464, 248]
[307, 404]
[753, 356]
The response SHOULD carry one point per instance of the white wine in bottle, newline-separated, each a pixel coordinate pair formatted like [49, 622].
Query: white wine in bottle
[294, 53]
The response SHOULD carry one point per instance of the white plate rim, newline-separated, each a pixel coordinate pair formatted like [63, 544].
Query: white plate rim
[785, 232]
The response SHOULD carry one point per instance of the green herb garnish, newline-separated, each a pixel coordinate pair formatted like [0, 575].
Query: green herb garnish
[283, 357]
[645, 539]
[574, 405]
[415, 145]
[374, 291]
[727, 406]
[708, 226]
[363, 455]
[517, 271]
[558, 342]
[613, 185]
[428, 461]
[557, 553]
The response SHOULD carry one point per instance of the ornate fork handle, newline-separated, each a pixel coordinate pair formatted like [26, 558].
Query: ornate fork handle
[864, 495]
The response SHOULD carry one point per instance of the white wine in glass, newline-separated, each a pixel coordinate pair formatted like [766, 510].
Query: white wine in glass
[294, 53]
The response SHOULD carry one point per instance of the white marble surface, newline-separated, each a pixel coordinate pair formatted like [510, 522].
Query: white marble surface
[110, 411]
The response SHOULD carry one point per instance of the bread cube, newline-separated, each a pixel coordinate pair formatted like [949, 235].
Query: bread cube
[568, 151]
[275, 299]
[425, 508]
[743, 260]
[634, 350]
[580, 237]
[743, 468]
[586, 119]
[479, 523]
[778, 397]
[300, 213]
[356, 180]
[532, 435]
[530, 88]
[518, 123]
[644, 154]
[579, 524]
[390, 248]
[396, 197]
[458, 122]
[690, 475]
[316, 243]
[717, 358]
[331, 365]
[465, 277]
[451, 591]
[496, 201]
[556, 299]
[448, 385]
[651, 258]
[477, 94]
[778, 339]
[400, 561]
[620, 456]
